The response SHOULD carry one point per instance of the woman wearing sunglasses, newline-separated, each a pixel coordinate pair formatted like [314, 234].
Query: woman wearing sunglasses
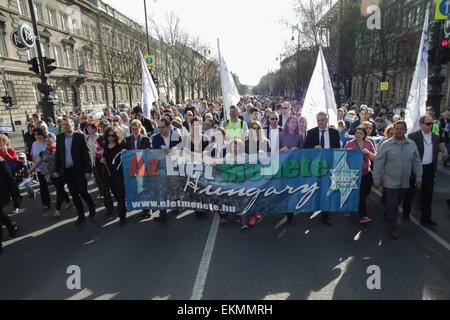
[113, 144]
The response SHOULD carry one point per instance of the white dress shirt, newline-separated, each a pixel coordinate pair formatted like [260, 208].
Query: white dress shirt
[427, 149]
[327, 138]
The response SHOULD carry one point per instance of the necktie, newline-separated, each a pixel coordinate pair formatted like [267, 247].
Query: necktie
[322, 140]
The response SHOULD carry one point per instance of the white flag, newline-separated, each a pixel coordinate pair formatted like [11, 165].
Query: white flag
[230, 94]
[417, 101]
[149, 92]
[320, 95]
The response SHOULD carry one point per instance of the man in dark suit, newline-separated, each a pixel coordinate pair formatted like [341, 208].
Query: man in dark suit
[273, 131]
[8, 190]
[145, 122]
[138, 142]
[73, 162]
[363, 116]
[165, 140]
[323, 137]
[428, 145]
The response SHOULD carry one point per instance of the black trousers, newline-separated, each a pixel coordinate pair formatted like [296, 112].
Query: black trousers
[426, 191]
[77, 184]
[366, 186]
[393, 198]
[6, 221]
[115, 184]
[61, 194]
[43, 189]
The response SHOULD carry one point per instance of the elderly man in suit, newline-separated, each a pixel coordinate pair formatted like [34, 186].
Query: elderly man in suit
[323, 137]
[165, 140]
[72, 161]
[428, 144]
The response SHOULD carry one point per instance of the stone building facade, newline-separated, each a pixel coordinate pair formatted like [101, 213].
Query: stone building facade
[70, 33]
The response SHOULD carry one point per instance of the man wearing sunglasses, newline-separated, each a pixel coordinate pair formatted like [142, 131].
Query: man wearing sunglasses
[428, 144]
[273, 130]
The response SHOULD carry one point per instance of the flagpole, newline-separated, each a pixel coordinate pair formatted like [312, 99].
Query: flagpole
[221, 80]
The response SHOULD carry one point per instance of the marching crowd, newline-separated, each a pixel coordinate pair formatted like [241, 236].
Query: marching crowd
[79, 146]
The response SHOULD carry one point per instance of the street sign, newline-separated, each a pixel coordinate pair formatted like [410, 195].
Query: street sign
[385, 86]
[17, 43]
[442, 9]
[26, 35]
[6, 129]
[150, 60]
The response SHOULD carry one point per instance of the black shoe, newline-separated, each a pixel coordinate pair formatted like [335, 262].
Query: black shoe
[80, 220]
[430, 223]
[405, 217]
[122, 223]
[92, 213]
[13, 234]
[161, 219]
[394, 234]
[326, 220]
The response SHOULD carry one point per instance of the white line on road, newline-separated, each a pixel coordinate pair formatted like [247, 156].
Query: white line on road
[444, 243]
[200, 280]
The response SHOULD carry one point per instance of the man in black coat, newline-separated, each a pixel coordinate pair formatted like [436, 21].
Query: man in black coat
[323, 137]
[8, 190]
[145, 122]
[165, 140]
[428, 144]
[72, 161]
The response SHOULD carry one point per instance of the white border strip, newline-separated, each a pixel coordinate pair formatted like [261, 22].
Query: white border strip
[200, 280]
[444, 243]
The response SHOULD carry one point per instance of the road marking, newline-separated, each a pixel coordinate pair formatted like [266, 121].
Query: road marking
[200, 280]
[444, 243]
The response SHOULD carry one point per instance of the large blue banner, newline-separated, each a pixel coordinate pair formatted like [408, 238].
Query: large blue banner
[299, 181]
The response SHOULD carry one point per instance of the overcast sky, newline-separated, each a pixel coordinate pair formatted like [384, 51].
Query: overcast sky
[251, 38]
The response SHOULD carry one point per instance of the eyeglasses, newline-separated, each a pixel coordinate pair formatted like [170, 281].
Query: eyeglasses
[112, 136]
[273, 119]
[159, 128]
[115, 120]
[255, 128]
[428, 123]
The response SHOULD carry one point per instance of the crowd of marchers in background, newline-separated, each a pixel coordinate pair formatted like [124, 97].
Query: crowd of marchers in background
[79, 146]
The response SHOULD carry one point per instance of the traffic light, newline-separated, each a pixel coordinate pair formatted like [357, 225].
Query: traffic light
[48, 65]
[9, 101]
[433, 40]
[445, 52]
[34, 65]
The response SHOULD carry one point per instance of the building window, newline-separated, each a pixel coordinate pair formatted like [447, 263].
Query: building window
[58, 56]
[76, 27]
[94, 94]
[85, 94]
[2, 41]
[9, 86]
[36, 94]
[38, 12]
[88, 62]
[64, 94]
[65, 22]
[79, 60]
[52, 17]
[22, 7]
[102, 94]
[69, 57]
[45, 49]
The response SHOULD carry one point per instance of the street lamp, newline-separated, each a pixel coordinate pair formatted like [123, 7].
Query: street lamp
[44, 87]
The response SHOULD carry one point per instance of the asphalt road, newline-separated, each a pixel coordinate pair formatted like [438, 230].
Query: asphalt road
[148, 260]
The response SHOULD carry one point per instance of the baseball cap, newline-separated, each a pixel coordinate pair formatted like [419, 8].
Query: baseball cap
[370, 110]
[22, 155]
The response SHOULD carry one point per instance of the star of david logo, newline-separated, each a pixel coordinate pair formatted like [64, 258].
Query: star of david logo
[343, 179]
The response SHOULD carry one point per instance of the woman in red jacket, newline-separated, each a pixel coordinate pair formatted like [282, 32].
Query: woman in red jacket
[8, 153]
